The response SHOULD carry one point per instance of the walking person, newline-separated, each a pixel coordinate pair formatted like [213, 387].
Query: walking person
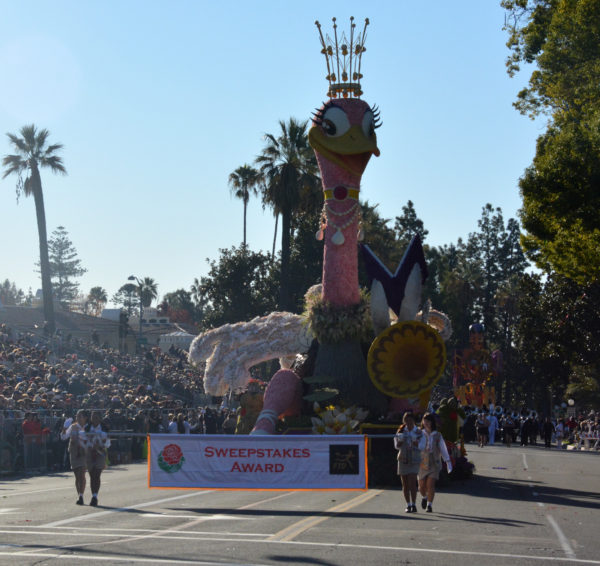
[77, 445]
[559, 430]
[548, 430]
[492, 428]
[482, 425]
[97, 443]
[409, 441]
[431, 461]
[509, 429]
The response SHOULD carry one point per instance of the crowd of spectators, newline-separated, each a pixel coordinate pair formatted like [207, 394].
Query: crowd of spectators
[44, 381]
[527, 427]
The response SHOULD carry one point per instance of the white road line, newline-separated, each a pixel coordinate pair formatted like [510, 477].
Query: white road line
[117, 559]
[80, 518]
[564, 542]
[126, 537]
[121, 558]
[59, 531]
[3, 495]
[525, 467]
[166, 531]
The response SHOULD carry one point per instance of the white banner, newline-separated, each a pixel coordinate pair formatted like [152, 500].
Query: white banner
[257, 462]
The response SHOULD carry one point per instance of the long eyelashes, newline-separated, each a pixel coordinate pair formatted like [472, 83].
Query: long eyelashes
[377, 122]
[318, 115]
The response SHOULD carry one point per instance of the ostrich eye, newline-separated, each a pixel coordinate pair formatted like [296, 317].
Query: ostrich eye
[368, 124]
[335, 122]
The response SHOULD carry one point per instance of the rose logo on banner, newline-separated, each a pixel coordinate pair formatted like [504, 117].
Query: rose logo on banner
[171, 459]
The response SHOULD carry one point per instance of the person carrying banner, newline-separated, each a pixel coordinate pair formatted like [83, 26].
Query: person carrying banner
[97, 443]
[431, 461]
[409, 441]
[77, 444]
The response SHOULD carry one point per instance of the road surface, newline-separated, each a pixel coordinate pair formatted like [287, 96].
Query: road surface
[525, 506]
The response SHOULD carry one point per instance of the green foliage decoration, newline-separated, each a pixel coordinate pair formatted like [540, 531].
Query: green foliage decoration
[333, 325]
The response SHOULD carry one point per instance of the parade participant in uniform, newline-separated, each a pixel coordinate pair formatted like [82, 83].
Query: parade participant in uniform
[559, 430]
[97, 442]
[482, 425]
[77, 445]
[492, 427]
[409, 441]
[548, 430]
[431, 461]
[509, 428]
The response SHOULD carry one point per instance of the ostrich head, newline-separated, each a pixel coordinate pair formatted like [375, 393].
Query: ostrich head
[343, 137]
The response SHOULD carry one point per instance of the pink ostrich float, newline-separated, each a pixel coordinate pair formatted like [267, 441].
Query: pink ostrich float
[338, 316]
[343, 138]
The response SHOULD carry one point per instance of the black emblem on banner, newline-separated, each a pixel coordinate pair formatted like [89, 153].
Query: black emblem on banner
[343, 459]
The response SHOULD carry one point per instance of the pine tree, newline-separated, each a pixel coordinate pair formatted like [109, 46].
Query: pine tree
[65, 266]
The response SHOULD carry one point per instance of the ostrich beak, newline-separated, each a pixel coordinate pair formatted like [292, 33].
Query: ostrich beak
[350, 151]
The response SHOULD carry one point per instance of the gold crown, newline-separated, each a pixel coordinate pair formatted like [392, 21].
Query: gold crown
[343, 60]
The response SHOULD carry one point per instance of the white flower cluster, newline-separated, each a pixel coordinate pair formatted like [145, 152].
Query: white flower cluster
[335, 420]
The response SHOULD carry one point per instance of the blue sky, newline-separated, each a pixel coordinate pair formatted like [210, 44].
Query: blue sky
[157, 102]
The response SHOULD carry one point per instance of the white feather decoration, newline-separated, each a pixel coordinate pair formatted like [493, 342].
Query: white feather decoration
[412, 295]
[231, 350]
[380, 311]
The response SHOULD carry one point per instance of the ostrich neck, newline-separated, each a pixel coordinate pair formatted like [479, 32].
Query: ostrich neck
[340, 262]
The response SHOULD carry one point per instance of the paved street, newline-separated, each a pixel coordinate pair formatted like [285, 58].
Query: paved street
[525, 506]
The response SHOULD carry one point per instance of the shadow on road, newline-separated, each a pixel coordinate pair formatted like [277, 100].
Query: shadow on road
[519, 490]
[299, 559]
[295, 513]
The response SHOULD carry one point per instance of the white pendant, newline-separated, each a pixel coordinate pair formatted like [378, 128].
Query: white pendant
[319, 234]
[338, 238]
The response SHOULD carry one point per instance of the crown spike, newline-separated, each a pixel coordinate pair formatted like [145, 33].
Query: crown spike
[336, 48]
[343, 56]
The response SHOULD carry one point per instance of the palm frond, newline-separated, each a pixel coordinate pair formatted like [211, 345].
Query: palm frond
[14, 164]
[19, 143]
[55, 163]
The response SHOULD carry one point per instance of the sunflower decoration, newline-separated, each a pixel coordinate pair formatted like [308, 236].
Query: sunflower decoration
[406, 359]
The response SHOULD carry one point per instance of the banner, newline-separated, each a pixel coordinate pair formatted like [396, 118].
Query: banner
[257, 462]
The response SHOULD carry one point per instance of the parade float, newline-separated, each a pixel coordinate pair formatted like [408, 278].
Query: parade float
[475, 368]
[355, 359]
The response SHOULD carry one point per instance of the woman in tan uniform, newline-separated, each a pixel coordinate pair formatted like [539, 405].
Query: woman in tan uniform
[431, 461]
[77, 447]
[97, 444]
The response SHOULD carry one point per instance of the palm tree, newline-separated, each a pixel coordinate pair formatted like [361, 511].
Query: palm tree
[289, 168]
[97, 298]
[244, 182]
[147, 290]
[32, 153]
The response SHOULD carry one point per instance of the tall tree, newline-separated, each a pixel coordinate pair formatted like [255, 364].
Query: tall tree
[178, 306]
[33, 153]
[289, 168]
[96, 299]
[408, 224]
[239, 286]
[148, 290]
[128, 298]
[65, 266]
[244, 182]
[561, 189]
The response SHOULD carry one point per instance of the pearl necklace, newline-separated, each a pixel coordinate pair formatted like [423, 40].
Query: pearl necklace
[326, 220]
